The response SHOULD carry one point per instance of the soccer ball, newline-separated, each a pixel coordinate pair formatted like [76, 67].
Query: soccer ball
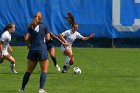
[76, 70]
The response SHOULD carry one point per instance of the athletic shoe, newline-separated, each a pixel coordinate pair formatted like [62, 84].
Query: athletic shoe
[58, 68]
[64, 71]
[42, 91]
[14, 71]
[20, 91]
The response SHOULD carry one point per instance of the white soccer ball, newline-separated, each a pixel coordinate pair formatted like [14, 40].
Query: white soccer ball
[76, 70]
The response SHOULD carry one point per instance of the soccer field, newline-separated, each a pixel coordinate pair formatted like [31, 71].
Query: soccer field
[104, 70]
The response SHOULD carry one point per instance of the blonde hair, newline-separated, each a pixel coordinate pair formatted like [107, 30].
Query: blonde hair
[37, 20]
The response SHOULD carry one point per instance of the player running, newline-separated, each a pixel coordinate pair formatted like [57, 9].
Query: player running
[51, 48]
[69, 36]
[5, 46]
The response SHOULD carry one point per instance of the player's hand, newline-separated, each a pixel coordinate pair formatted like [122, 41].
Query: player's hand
[92, 35]
[66, 44]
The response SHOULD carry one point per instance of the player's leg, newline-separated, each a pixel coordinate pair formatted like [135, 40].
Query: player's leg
[44, 69]
[68, 52]
[1, 58]
[69, 59]
[12, 62]
[53, 57]
[30, 67]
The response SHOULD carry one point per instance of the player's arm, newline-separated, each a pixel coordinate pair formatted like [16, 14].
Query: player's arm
[26, 37]
[1, 43]
[1, 46]
[47, 36]
[62, 38]
[54, 36]
[87, 38]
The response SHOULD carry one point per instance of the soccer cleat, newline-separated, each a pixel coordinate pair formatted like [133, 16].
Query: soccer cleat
[64, 71]
[14, 71]
[58, 68]
[42, 91]
[20, 91]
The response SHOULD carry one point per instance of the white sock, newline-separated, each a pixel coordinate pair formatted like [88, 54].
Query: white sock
[12, 66]
[67, 61]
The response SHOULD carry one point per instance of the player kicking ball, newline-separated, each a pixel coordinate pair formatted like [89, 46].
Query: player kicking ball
[69, 36]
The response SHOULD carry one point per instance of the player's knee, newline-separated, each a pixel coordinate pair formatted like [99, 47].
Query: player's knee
[12, 62]
[71, 62]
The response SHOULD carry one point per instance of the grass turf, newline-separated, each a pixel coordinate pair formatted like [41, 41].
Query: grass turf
[104, 70]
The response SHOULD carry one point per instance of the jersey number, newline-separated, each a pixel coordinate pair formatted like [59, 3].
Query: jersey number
[37, 29]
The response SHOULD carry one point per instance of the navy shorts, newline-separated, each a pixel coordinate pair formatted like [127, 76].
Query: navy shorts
[37, 55]
[49, 46]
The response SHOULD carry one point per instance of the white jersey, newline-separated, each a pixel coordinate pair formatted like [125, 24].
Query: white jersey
[70, 38]
[5, 38]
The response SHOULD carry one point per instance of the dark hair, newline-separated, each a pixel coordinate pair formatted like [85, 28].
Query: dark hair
[37, 20]
[70, 19]
[7, 27]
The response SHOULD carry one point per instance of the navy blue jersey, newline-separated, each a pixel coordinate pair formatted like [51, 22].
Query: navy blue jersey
[37, 37]
[50, 44]
[49, 41]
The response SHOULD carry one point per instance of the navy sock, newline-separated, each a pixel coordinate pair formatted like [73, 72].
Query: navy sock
[54, 60]
[64, 67]
[43, 77]
[25, 79]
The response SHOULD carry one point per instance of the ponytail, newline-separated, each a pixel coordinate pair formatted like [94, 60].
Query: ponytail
[70, 19]
[37, 20]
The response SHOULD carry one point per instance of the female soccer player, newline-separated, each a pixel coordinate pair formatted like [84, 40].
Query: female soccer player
[37, 51]
[51, 48]
[69, 36]
[5, 46]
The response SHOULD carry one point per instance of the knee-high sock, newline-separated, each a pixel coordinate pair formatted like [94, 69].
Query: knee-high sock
[25, 79]
[43, 77]
[54, 60]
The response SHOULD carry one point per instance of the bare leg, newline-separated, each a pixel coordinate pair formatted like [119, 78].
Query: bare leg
[12, 62]
[52, 54]
[69, 59]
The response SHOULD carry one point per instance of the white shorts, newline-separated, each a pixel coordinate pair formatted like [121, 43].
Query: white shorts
[64, 48]
[5, 52]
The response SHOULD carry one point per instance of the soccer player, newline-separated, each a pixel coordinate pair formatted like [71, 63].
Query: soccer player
[5, 46]
[69, 36]
[37, 51]
[51, 48]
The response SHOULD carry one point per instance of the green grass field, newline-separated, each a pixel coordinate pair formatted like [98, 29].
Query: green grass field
[104, 70]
